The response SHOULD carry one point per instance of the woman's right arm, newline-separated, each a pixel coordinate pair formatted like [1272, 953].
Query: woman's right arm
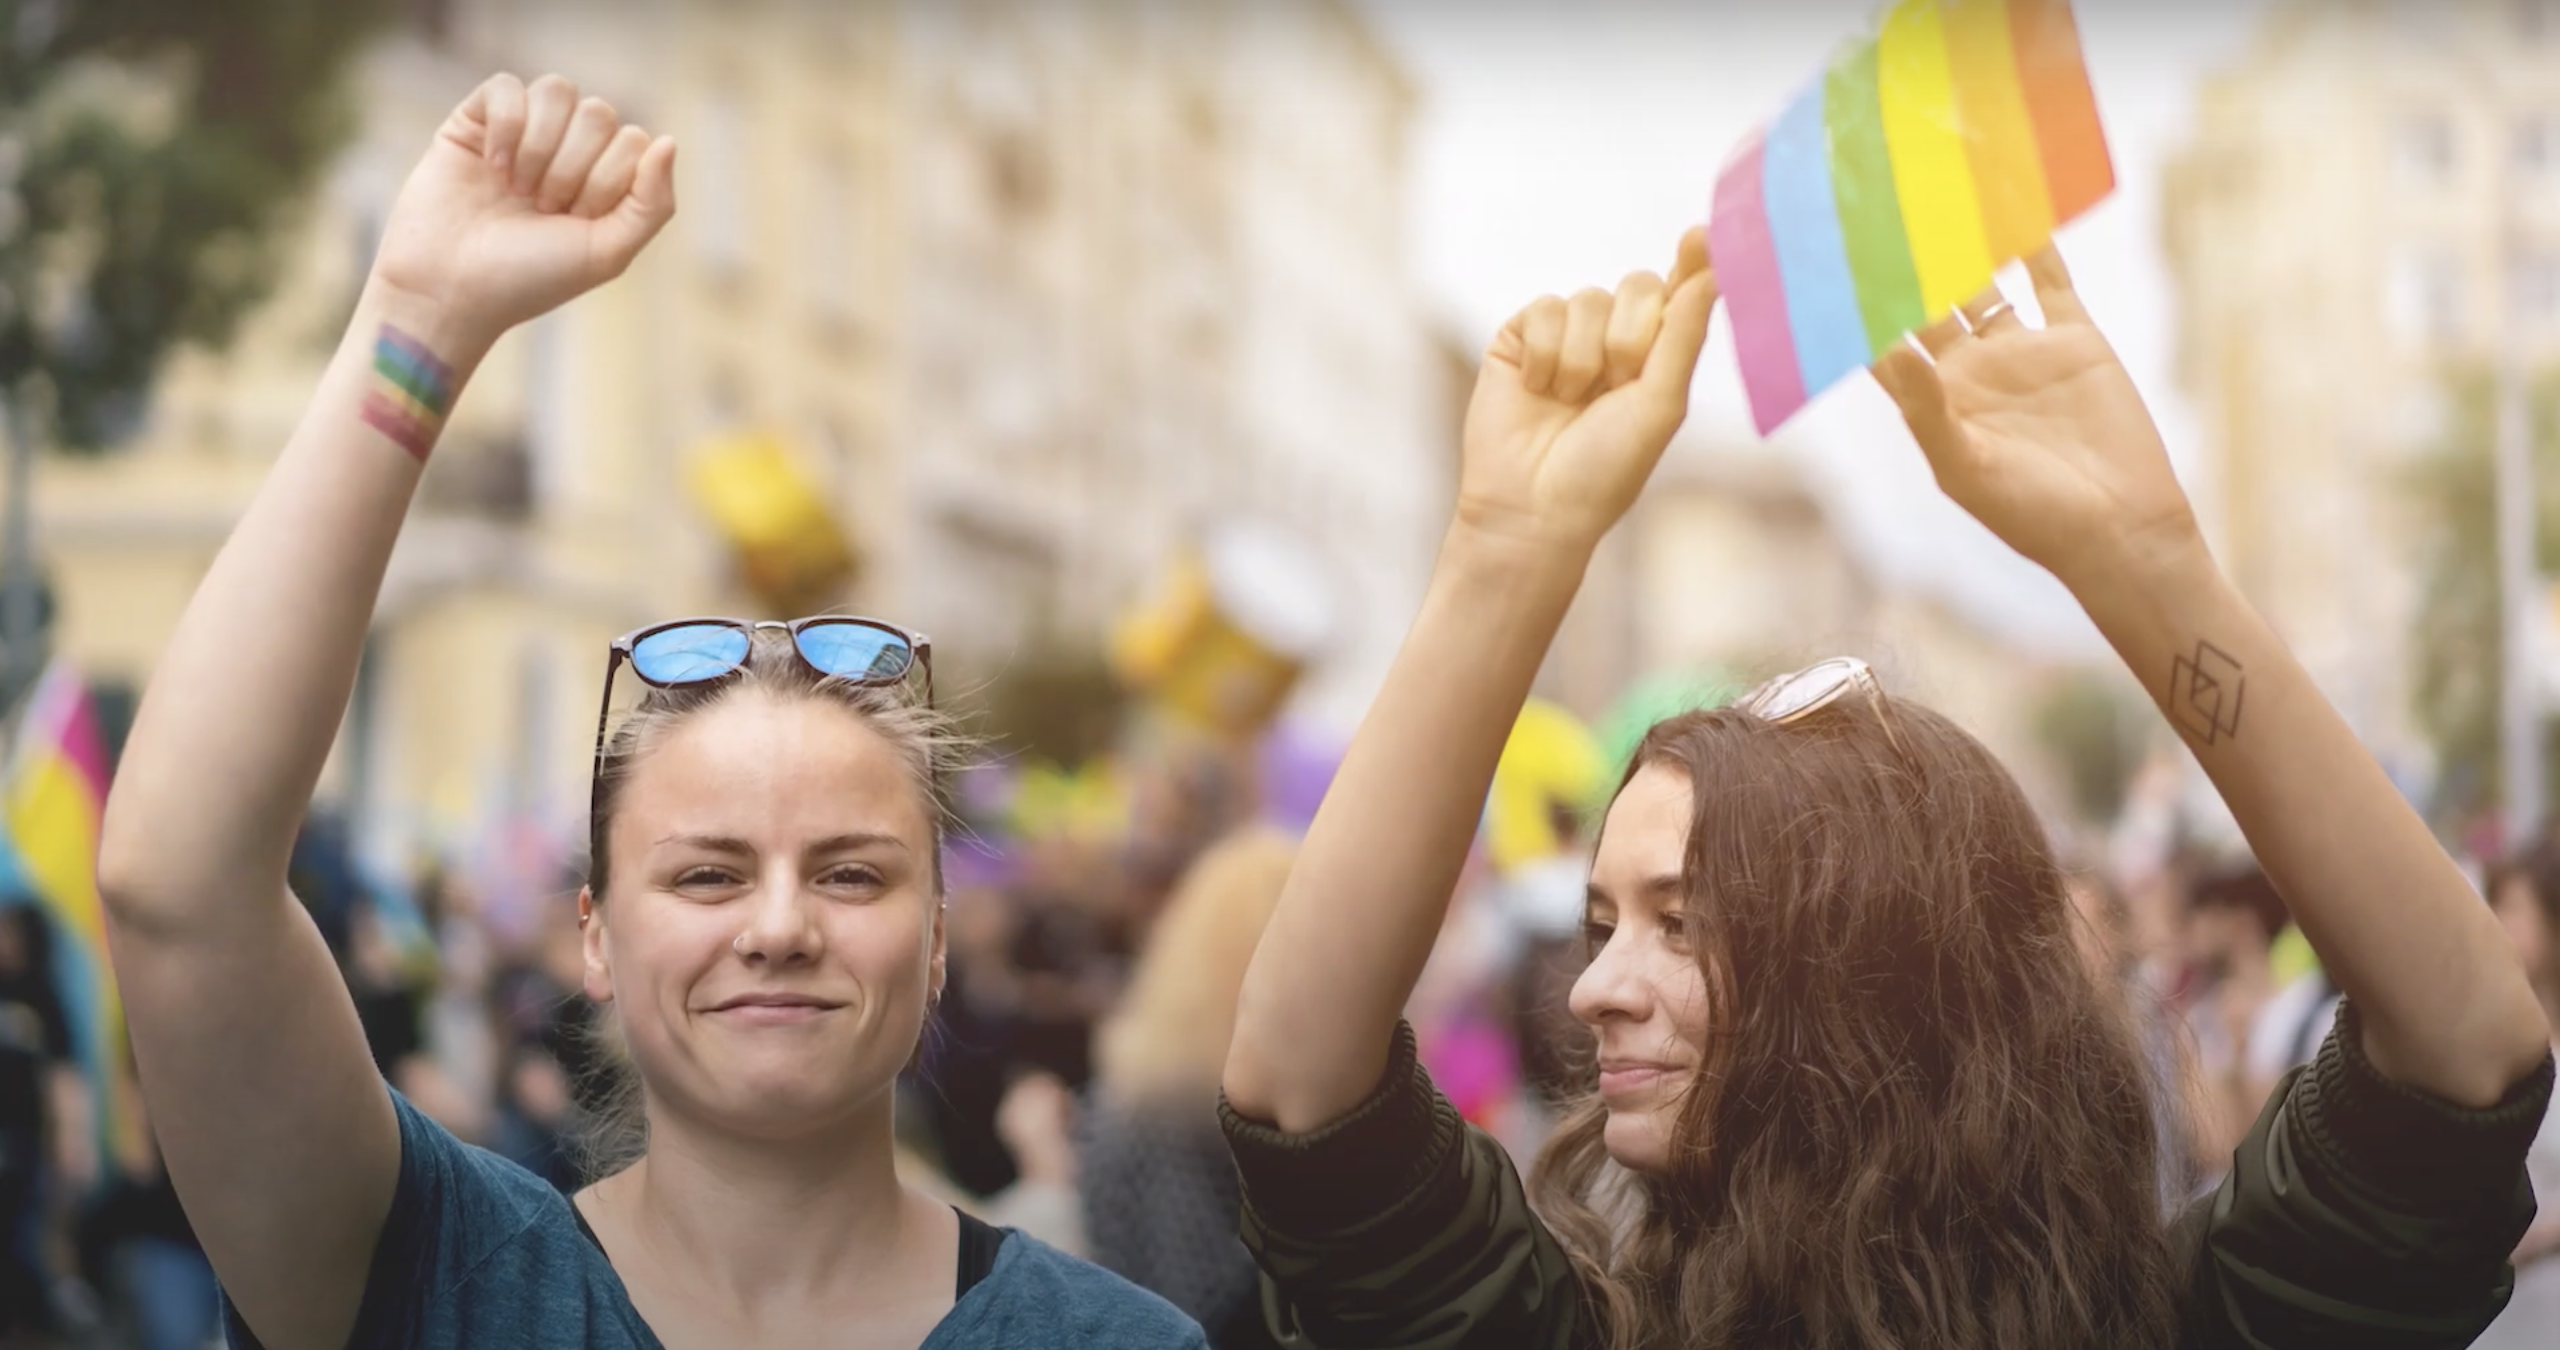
[1574, 405]
[276, 1131]
[2378, 1196]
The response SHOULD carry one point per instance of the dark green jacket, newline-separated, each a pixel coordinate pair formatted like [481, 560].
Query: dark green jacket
[2358, 1214]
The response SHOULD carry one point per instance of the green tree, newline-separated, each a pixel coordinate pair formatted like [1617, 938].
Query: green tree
[149, 152]
[2093, 728]
[1058, 702]
[2455, 646]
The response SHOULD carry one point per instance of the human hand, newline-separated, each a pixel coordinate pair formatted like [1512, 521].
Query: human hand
[2238, 1001]
[1576, 401]
[77, 1161]
[2040, 434]
[2540, 1243]
[1036, 1121]
[541, 1089]
[529, 197]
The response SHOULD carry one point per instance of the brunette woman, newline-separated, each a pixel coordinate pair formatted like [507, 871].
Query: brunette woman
[1856, 1085]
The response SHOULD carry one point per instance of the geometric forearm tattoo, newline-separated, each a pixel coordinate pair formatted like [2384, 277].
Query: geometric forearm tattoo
[2205, 690]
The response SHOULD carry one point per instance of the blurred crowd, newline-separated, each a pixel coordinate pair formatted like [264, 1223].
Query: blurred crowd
[1069, 1084]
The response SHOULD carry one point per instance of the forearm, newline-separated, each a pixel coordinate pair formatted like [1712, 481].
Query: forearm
[2541, 1242]
[1374, 877]
[2233, 1108]
[248, 696]
[2446, 1007]
[74, 1123]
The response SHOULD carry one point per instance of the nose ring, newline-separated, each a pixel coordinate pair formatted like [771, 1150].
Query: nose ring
[738, 944]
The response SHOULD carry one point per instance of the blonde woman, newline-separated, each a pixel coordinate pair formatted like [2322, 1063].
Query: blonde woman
[1159, 1188]
[762, 913]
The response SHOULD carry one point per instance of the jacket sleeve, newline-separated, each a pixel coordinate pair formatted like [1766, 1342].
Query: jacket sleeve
[2361, 1213]
[1401, 1226]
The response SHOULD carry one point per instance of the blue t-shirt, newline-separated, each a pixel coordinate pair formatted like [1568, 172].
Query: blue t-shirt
[480, 1253]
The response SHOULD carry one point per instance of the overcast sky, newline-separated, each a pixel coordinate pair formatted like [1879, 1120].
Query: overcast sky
[1561, 144]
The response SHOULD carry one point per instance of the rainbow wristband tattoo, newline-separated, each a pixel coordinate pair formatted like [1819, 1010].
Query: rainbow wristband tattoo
[412, 394]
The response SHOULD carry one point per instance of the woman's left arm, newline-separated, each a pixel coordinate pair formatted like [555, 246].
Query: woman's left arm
[2541, 1242]
[2040, 434]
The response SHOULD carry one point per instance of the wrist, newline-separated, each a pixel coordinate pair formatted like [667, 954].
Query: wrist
[2169, 562]
[1511, 550]
[460, 340]
[1049, 1167]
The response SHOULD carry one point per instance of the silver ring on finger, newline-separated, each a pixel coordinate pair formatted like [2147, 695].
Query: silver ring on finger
[1989, 316]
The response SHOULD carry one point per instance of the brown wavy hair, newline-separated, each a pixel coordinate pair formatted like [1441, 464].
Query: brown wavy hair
[1922, 1122]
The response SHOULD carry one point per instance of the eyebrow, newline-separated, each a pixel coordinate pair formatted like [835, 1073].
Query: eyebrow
[709, 843]
[848, 843]
[736, 847]
[1656, 887]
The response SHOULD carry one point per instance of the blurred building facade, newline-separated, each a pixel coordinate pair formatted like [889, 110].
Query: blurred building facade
[2338, 229]
[1030, 294]
[1739, 568]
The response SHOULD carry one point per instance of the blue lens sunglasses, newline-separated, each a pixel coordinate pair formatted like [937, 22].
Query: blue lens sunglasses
[681, 653]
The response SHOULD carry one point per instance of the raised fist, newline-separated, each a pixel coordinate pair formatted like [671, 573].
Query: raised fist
[1576, 401]
[530, 197]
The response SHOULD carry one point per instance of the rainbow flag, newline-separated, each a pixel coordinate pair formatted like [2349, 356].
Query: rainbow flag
[1887, 192]
[56, 794]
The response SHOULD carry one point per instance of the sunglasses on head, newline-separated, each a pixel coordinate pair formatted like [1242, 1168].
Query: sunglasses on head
[682, 653]
[1799, 695]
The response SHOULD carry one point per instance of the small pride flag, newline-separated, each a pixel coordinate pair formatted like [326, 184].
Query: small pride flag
[1954, 140]
[56, 795]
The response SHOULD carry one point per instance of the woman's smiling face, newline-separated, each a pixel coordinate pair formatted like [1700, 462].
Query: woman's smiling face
[1644, 993]
[772, 938]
